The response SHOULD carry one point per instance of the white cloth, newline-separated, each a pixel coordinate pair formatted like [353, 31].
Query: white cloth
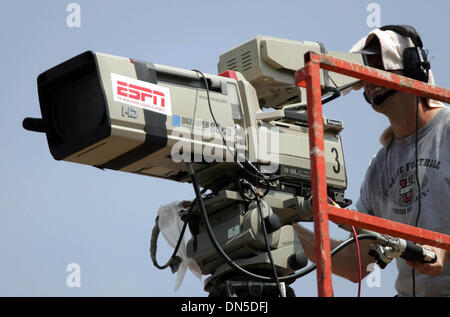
[392, 47]
[170, 225]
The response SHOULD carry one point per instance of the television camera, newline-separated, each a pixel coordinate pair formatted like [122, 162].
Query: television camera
[241, 135]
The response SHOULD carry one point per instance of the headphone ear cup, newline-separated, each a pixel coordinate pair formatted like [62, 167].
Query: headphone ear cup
[414, 65]
[366, 96]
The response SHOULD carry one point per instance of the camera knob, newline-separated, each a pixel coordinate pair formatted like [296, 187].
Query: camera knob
[297, 260]
[272, 222]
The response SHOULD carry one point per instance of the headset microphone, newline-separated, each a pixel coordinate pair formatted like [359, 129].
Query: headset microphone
[378, 100]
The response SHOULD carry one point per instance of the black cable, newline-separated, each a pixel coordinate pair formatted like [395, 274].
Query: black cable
[416, 145]
[174, 260]
[263, 226]
[276, 177]
[336, 93]
[212, 114]
[246, 162]
[258, 174]
[237, 267]
[266, 240]
[360, 237]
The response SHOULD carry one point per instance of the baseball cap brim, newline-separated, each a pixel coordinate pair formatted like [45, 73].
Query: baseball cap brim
[369, 51]
[373, 47]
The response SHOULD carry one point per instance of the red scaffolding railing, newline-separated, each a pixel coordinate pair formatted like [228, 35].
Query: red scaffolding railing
[323, 212]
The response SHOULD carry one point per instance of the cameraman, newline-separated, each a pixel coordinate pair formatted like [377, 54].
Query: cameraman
[419, 135]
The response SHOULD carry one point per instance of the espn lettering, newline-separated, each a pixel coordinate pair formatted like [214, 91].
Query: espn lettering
[140, 93]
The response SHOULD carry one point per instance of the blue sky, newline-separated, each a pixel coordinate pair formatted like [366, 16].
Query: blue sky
[56, 213]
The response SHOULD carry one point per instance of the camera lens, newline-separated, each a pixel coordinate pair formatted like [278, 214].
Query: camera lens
[78, 106]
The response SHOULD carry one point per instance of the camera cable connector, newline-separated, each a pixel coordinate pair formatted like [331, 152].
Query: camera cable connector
[387, 248]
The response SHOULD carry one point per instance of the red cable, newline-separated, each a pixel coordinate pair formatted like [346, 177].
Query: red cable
[359, 261]
[357, 250]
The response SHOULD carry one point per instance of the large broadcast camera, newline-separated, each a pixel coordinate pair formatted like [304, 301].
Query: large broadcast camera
[242, 136]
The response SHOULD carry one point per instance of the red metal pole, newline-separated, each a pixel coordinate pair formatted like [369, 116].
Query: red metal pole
[396, 229]
[318, 179]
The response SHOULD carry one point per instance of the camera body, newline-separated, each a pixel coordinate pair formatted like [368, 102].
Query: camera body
[123, 114]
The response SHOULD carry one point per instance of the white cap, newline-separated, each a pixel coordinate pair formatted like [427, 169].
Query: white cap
[392, 47]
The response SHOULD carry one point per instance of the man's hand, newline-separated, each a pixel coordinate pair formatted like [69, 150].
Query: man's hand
[431, 269]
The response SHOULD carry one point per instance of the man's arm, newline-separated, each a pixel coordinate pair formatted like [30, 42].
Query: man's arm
[345, 262]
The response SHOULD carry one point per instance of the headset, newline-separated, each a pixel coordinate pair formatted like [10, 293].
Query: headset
[415, 60]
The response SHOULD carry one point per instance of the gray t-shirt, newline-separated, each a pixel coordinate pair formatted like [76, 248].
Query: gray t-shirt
[390, 191]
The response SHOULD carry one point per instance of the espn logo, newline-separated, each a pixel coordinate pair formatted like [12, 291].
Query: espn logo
[140, 93]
